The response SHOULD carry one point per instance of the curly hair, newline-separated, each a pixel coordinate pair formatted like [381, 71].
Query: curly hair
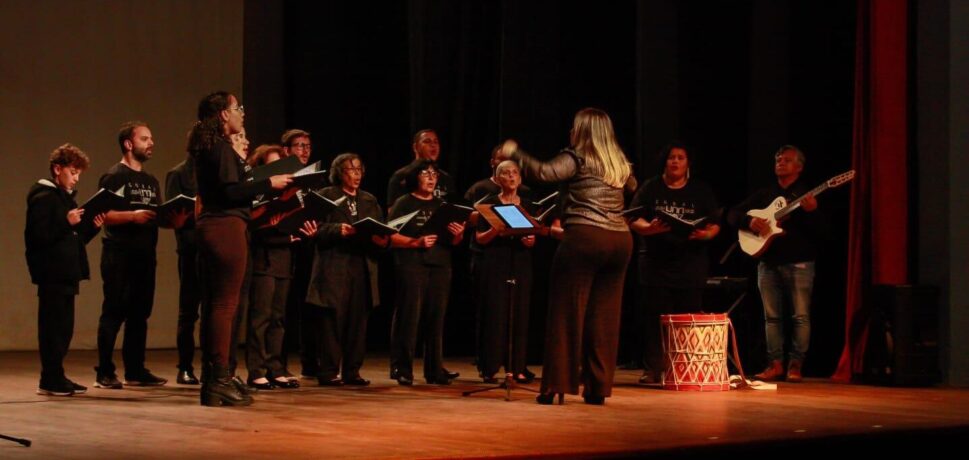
[68, 155]
[208, 128]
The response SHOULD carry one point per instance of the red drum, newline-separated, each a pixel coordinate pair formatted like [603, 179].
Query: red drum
[696, 352]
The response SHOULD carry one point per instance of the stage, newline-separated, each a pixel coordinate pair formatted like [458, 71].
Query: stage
[428, 421]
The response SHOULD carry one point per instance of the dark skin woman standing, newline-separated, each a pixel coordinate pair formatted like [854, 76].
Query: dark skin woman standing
[225, 192]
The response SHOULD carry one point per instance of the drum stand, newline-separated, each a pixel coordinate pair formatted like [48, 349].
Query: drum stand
[509, 384]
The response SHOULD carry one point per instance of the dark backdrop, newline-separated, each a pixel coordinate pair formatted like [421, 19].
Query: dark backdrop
[734, 80]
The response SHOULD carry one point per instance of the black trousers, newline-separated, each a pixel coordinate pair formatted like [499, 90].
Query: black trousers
[129, 292]
[267, 313]
[55, 329]
[343, 328]
[422, 296]
[302, 320]
[584, 304]
[189, 299]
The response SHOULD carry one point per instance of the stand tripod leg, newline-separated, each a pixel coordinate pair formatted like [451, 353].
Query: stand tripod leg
[24, 442]
[509, 384]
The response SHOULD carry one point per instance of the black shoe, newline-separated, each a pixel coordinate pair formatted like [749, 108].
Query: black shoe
[285, 382]
[524, 378]
[143, 378]
[394, 373]
[549, 398]
[439, 380]
[330, 382]
[356, 381]
[78, 388]
[450, 375]
[404, 380]
[528, 374]
[594, 400]
[242, 388]
[267, 385]
[489, 378]
[221, 390]
[186, 377]
[62, 388]
[108, 381]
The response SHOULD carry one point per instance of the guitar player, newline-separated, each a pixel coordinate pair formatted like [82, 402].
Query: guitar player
[785, 274]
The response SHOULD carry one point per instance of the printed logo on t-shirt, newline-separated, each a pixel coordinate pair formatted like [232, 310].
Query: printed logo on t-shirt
[141, 194]
[440, 191]
[352, 206]
[681, 209]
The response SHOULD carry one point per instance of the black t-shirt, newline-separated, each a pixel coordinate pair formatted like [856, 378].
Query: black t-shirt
[141, 191]
[225, 185]
[671, 259]
[181, 181]
[803, 231]
[437, 255]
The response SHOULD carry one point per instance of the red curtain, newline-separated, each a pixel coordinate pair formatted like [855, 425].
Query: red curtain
[878, 233]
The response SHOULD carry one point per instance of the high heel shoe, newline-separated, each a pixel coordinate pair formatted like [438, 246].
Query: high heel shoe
[594, 400]
[548, 398]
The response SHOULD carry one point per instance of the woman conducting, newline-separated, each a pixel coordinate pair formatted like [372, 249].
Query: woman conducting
[589, 267]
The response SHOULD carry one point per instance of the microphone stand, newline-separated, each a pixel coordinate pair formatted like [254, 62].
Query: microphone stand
[509, 384]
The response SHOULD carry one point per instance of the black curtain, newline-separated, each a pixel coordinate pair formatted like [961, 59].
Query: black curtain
[734, 80]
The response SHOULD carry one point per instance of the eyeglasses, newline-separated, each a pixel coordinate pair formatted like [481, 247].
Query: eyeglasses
[428, 174]
[302, 145]
[241, 109]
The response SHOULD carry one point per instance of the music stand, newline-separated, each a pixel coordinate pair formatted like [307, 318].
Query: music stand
[508, 219]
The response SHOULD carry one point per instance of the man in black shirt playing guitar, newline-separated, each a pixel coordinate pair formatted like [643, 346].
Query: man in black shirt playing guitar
[785, 274]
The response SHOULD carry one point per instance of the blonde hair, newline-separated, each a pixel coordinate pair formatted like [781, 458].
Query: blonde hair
[594, 139]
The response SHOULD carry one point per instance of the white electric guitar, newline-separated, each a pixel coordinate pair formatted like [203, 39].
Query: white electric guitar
[755, 244]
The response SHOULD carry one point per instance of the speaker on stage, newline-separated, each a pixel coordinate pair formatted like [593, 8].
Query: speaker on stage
[903, 336]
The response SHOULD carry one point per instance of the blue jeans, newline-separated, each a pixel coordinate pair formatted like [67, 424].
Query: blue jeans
[786, 290]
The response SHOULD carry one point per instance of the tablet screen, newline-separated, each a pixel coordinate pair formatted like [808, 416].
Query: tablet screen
[512, 216]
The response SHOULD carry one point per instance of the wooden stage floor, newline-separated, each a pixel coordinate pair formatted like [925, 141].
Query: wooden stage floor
[424, 421]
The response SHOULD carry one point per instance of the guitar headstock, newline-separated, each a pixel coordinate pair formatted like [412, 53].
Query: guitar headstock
[841, 178]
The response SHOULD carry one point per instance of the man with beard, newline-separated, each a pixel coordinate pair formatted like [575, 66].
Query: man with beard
[128, 261]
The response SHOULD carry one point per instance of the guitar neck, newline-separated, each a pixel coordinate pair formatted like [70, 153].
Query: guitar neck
[792, 206]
